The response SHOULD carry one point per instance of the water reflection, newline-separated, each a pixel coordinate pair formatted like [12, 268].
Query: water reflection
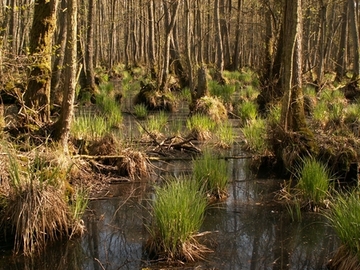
[249, 231]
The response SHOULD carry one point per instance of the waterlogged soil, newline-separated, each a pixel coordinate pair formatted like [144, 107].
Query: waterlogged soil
[249, 230]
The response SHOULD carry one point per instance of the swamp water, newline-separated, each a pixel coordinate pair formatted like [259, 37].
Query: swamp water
[247, 231]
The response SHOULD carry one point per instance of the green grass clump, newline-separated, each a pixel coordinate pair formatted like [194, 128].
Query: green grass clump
[185, 94]
[212, 174]
[108, 104]
[90, 127]
[314, 181]
[321, 113]
[225, 135]
[156, 123]
[178, 212]
[201, 126]
[247, 111]
[224, 92]
[140, 111]
[344, 216]
[254, 135]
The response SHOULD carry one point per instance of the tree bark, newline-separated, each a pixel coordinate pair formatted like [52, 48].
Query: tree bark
[219, 45]
[292, 114]
[37, 95]
[342, 53]
[56, 81]
[172, 11]
[64, 123]
[354, 30]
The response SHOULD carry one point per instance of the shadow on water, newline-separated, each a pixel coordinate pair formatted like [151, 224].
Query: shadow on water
[248, 231]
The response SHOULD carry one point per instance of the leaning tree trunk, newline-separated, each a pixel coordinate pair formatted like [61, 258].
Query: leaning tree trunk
[37, 95]
[63, 125]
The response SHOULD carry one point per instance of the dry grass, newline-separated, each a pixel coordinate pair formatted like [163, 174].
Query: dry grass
[344, 259]
[212, 107]
[38, 213]
[135, 165]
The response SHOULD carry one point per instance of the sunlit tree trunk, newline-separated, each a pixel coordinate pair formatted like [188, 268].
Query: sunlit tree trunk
[151, 43]
[219, 44]
[292, 115]
[37, 95]
[58, 66]
[67, 109]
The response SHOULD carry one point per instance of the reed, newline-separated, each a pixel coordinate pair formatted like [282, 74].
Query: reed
[178, 212]
[254, 135]
[212, 175]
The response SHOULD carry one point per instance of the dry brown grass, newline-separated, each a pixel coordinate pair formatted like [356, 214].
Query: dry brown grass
[134, 164]
[38, 213]
[212, 107]
[344, 259]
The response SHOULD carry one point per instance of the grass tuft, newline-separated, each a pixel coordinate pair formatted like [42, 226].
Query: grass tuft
[254, 135]
[211, 174]
[178, 212]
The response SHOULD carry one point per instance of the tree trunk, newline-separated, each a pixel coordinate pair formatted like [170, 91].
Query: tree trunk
[354, 30]
[37, 95]
[342, 53]
[219, 45]
[292, 114]
[236, 56]
[172, 13]
[63, 125]
[89, 51]
[56, 81]
[151, 46]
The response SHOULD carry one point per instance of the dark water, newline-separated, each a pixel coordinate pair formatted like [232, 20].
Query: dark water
[248, 231]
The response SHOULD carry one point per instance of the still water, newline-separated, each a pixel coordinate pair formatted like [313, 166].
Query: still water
[247, 231]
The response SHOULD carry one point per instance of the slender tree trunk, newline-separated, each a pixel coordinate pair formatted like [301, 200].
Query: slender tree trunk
[151, 44]
[342, 53]
[37, 95]
[219, 44]
[89, 51]
[168, 31]
[56, 81]
[321, 45]
[236, 56]
[64, 122]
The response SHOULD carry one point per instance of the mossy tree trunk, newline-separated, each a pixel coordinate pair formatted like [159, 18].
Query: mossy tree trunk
[37, 94]
[62, 126]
